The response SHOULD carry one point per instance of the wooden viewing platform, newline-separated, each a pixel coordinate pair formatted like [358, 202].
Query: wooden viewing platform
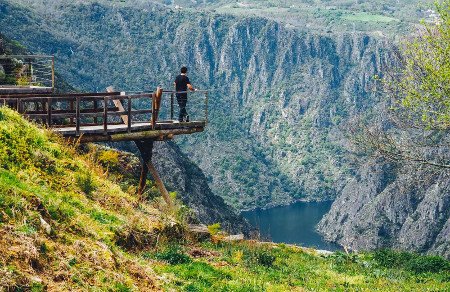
[28, 86]
[109, 116]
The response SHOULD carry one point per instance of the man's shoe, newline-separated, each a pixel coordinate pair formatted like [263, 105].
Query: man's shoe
[187, 118]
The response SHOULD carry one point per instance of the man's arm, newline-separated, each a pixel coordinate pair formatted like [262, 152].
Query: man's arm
[191, 88]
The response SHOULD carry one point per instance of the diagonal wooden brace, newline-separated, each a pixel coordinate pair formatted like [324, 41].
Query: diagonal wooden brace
[146, 149]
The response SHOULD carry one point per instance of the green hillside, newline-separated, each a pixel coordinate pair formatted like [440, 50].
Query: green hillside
[63, 222]
[323, 15]
[69, 221]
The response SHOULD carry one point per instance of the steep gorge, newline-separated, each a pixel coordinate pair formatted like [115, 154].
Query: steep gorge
[279, 95]
[280, 102]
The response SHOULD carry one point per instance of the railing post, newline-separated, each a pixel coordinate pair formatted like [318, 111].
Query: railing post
[129, 114]
[95, 110]
[78, 120]
[71, 107]
[153, 120]
[49, 112]
[105, 115]
[171, 105]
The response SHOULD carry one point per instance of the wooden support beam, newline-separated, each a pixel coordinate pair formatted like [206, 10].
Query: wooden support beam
[146, 149]
[78, 119]
[149, 134]
[49, 112]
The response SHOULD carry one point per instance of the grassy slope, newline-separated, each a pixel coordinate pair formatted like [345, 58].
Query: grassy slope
[67, 223]
[89, 216]
[251, 266]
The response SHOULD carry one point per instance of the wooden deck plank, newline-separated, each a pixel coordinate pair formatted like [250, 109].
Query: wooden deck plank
[123, 128]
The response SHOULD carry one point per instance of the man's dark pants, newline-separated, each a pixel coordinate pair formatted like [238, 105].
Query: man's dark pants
[182, 101]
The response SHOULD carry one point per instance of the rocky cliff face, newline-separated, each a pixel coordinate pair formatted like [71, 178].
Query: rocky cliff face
[184, 177]
[387, 205]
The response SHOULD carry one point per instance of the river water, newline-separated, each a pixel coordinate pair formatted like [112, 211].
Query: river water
[293, 224]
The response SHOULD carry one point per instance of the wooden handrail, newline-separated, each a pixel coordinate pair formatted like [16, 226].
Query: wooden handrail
[86, 109]
[54, 95]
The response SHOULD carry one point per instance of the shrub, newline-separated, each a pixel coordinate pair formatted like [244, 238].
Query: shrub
[135, 236]
[109, 158]
[431, 264]
[260, 256]
[411, 261]
[173, 255]
[265, 258]
[85, 182]
[214, 229]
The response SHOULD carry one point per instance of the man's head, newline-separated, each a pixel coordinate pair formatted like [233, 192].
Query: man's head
[183, 70]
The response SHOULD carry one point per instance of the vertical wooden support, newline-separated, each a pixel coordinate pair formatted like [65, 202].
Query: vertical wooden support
[156, 105]
[49, 112]
[171, 105]
[72, 108]
[95, 110]
[43, 102]
[129, 114]
[146, 148]
[105, 115]
[153, 119]
[78, 119]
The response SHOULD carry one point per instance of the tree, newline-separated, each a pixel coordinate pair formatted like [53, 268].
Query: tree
[417, 127]
[420, 89]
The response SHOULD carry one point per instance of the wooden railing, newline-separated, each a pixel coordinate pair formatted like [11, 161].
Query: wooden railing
[199, 98]
[82, 110]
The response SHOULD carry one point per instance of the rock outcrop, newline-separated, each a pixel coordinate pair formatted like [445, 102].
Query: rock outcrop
[386, 205]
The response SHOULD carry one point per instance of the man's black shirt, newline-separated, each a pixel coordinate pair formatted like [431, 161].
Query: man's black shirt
[181, 83]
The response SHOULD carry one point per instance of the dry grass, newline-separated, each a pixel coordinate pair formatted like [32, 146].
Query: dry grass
[66, 222]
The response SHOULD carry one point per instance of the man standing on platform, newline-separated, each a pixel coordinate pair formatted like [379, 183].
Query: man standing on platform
[182, 84]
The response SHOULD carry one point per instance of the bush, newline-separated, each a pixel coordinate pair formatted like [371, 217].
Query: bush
[135, 236]
[173, 255]
[85, 182]
[214, 229]
[109, 158]
[260, 256]
[411, 261]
